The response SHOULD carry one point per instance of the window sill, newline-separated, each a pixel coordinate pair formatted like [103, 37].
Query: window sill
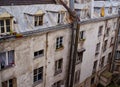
[36, 83]
[7, 67]
[61, 48]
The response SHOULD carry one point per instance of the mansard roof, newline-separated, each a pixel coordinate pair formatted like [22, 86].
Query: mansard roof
[25, 2]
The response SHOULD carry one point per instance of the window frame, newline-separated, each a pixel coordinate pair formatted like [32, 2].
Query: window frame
[95, 66]
[38, 22]
[79, 58]
[7, 60]
[7, 83]
[82, 35]
[102, 60]
[100, 30]
[5, 26]
[39, 53]
[60, 17]
[97, 48]
[58, 66]
[59, 42]
[77, 77]
[105, 45]
[36, 75]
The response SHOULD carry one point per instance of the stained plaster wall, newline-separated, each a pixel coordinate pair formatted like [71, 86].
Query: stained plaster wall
[25, 62]
[91, 40]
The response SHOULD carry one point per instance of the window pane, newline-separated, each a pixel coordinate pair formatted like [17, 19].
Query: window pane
[60, 64]
[40, 76]
[1, 22]
[35, 54]
[2, 30]
[35, 78]
[8, 28]
[35, 71]
[40, 70]
[10, 57]
[7, 22]
[10, 83]
[2, 60]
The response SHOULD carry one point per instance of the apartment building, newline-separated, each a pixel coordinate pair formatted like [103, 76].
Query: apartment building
[35, 43]
[96, 43]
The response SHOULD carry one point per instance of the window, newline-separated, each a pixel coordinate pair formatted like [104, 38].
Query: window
[6, 59]
[105, 45]
[39, 20]
[5, 26]
[102, 61]
[92, 80]
[10, 83]
[57, 84]
[58, 66]
[59, 42]
[77, 76]
[39, 53]
[112, 41]
[82, 35]
[60, 18]
[107, 32]
[115, 25]
[38, 75]
[109, 58]
[97, 48]
[118, 55]
[79, 57]
[100, 30]
[110, 10]
[94, 67]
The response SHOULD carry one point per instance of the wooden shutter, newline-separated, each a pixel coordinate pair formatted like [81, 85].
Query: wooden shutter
[14, 82]
[4, 84]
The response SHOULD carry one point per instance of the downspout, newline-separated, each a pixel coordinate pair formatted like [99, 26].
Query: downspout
[74, 41]
[46, 60]
[74, 50]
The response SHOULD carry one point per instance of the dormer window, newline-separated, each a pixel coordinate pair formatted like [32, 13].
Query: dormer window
[60, 18]
[38, 20]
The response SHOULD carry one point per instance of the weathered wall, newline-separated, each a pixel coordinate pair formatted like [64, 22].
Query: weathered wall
[25, 62]
[91, 39]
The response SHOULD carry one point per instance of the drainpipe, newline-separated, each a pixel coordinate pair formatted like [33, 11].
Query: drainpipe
[74, 41]
[74, 46]
[46, 60]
